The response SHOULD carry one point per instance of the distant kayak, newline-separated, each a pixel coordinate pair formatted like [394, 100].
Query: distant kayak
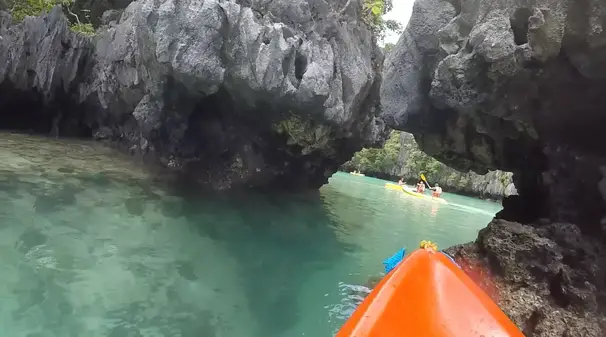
[412, 192]
[428, 295]
[357, 174]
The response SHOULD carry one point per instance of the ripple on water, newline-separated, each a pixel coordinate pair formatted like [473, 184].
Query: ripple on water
[91, 245]
[89, 248]
[351, 296]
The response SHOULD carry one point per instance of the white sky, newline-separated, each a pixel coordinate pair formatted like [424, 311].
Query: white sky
[401, 12]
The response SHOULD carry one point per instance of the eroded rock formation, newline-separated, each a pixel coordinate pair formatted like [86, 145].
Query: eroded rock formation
[550, 278]
[232, 93]
[496, 85]
[517, 86]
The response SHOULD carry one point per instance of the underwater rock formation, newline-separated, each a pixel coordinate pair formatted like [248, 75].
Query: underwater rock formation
[520, 87]
[230, 93]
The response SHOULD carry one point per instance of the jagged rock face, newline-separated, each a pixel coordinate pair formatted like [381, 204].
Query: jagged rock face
[41, 65]
[95, 9]
[487, 84]
[550, 278]
[233, 93]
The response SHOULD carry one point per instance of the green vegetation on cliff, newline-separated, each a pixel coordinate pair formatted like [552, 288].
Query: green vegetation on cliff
[20, 9]
[373, 11]
[386, 161]
[401, 157]
[377, 160]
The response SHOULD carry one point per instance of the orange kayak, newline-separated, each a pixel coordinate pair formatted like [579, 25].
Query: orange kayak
[428, 295]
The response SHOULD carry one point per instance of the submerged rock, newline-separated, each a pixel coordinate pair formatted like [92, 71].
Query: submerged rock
[38, 159]
[233, 93]
[521, 87]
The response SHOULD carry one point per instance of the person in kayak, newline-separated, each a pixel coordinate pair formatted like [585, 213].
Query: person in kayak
[437, 191]
[420, 187]
[401, 182]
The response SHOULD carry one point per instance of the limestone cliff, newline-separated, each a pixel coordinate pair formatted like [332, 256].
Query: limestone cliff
[518, 86]
[492, 185]
[231, 93]
[400, 157]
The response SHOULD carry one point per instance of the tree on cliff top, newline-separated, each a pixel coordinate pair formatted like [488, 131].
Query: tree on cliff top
[19, 9]
[373, 11]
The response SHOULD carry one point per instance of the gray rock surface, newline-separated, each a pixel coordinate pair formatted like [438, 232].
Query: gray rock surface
[518, 86]
[549, 277]
[231, 93]
[95, 9]
[42, 63]
[488, 85]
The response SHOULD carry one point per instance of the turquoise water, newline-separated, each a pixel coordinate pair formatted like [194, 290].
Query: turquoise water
[92, 247]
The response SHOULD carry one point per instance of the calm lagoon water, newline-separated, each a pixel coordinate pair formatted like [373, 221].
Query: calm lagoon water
[91, 245]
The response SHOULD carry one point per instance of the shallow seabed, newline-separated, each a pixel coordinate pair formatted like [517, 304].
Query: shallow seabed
[94, 244]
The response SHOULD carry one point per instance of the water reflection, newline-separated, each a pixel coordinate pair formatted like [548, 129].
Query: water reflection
[434, 209]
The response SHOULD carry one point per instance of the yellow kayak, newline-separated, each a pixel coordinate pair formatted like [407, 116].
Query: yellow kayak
[411, 192]
[394, 187]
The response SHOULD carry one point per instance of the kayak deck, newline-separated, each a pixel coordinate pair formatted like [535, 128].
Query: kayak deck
[428, 295]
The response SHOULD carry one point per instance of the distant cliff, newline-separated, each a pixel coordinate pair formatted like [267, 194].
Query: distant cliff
[401, 157]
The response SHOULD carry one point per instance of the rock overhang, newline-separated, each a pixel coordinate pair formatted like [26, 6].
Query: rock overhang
[280, 84]
[489, 85]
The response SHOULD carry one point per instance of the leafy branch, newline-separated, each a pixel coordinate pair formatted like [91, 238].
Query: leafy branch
[20, 9]
[373, 17]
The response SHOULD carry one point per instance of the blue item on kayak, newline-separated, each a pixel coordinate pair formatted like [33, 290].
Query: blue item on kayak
[391, 262]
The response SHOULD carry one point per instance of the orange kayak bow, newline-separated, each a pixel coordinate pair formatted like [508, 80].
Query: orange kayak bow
[427, 295]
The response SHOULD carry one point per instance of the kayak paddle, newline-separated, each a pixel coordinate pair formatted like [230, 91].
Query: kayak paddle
[425, 180]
